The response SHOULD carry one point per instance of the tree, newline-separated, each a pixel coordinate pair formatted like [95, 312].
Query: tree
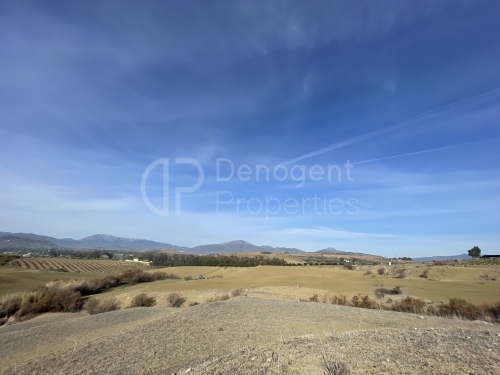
[475, 252]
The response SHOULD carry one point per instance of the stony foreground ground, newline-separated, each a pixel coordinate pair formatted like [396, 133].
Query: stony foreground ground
[250, 336]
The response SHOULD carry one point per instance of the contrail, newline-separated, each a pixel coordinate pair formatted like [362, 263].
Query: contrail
[422, 151]
[388, 129]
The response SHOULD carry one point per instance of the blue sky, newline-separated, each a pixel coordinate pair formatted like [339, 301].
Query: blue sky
[407, 92]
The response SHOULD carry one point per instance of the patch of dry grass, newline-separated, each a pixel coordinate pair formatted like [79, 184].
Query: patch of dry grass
[102, 305]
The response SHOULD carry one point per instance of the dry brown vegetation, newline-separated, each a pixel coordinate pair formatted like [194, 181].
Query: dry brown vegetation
[456, 307]
[381, 292]
[98, 306]
[424, 274]
[400, 273]
[237, 292]
[176, 299]
[66, 295]
[217, 298]
[143, 300]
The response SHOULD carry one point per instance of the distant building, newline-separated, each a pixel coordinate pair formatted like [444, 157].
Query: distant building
[104, 256]
[139, 261]
[27, 255]
[491, 256]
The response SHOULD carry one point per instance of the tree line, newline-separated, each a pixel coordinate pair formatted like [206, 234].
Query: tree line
[177, 260]
[84, 254]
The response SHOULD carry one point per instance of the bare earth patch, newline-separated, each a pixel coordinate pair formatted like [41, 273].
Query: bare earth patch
[223, 337]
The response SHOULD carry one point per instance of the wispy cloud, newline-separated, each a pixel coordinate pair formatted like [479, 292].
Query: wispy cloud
[487, 96]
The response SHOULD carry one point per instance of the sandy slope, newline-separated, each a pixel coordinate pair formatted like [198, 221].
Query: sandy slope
[176, 340]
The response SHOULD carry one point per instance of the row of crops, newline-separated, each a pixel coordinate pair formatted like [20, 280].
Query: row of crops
[76, 265]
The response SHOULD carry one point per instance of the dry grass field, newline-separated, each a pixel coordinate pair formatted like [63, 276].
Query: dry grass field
[474, 284]
[265, 331]
[294, 283]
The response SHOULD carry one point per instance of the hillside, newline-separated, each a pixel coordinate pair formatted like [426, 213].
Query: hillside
[223, 338]
[15, 243]
[239, 246]
[444, 257]
[109, 242]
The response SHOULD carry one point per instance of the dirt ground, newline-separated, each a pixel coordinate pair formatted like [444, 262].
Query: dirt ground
[266, 331]
[223, 337]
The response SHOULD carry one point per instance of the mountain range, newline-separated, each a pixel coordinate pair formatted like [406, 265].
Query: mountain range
[108, 242]
[100, 241]
[29, 241]
[13, 242]
[445, 257]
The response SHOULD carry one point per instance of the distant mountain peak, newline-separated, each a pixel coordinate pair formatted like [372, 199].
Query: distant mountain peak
[106, 237]
[330, 250]
[236, 242]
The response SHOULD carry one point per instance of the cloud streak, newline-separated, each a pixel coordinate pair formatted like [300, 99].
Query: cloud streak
[423, 151]
[405, 123]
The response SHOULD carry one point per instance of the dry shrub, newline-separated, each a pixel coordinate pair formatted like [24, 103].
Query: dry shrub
[440, 263]
[400, 273]
[109, 282]
[333, 367]
[135, 276]
[88, 287]
[364, 302]
[491, 310]
[188, 278]
[10, 304]
[217, 298]
[175, 299]
[342, 300]
[237, 292]
[143, 300]
[349, 266]
[51, 299]
[201, 277]
[425, 274]
[381, 292]
[381, 271]
[461, 308]
[158, 275]
[191, 304]
[368, 273]
[98, 306]
[314, 298]
[409, 305]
